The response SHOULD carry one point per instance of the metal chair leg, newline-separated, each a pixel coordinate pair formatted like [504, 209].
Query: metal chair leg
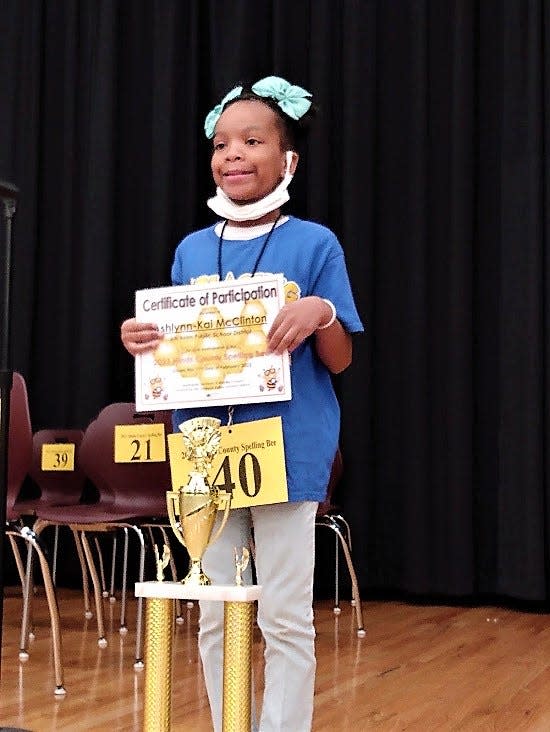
[18, 560]
[102, 640]
[112, 596]
[344, 527]
[32, 540]
[38, 527]
[26, 611]
[138, 663]
[354, 585]
[104, 592]
[123, 629]
[330, 523]
[54, 554]
[347, 531]
[84, 572]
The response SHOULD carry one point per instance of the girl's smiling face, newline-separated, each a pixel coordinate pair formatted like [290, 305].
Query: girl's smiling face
[248, 161]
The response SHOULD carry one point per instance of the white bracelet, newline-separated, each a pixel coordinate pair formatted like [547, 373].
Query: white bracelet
[332, 317]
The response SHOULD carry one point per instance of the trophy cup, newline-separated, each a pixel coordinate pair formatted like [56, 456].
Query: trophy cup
[192, 509]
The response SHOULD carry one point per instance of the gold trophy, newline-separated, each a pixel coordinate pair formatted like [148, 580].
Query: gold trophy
[192, 509]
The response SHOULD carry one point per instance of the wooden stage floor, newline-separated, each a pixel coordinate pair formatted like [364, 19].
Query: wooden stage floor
[419, 668]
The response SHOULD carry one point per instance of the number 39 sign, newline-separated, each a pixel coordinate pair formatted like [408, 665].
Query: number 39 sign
[250, 463]
[57, 456]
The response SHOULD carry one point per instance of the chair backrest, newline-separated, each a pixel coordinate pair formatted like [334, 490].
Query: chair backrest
[334, 478]
[138, 488]
[19, 440]
[57, 487]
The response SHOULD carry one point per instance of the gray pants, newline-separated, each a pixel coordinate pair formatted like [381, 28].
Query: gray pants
[284, 537]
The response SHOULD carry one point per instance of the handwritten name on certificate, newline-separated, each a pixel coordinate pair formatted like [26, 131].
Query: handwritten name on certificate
[214, 346]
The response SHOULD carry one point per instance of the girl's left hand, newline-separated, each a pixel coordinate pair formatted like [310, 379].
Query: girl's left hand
[295, 322]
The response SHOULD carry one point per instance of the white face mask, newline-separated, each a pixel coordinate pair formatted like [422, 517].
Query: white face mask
[224, 207]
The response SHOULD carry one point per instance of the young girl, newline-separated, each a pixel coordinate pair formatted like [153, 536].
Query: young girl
[254, 132]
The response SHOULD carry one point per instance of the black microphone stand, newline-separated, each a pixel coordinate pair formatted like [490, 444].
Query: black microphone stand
[8, 197]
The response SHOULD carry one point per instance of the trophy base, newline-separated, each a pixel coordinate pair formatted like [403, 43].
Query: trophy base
[201, 581]
[196, 576]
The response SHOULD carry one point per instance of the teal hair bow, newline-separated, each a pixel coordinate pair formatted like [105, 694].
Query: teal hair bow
[293, 100]
[213, 116]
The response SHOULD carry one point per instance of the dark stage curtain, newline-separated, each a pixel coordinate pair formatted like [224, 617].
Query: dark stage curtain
[430, 161]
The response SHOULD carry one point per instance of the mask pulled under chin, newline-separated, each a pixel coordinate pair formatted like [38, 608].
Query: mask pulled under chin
[225, 208]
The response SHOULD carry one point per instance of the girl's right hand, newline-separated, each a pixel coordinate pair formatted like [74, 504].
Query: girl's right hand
[138, 337]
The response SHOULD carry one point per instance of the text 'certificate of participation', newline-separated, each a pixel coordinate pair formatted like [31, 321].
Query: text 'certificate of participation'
[214, 347]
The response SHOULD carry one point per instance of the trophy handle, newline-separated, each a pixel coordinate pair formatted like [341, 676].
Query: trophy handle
[171, 498]
[227, 499]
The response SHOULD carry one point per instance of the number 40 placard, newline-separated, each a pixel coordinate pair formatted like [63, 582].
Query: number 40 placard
[250, 463]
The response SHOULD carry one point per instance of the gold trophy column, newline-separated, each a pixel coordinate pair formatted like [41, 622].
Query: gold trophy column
[159, 619]
[237, 666]
[238, 613]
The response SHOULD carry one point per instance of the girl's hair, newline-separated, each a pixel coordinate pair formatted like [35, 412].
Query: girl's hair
[293, 132]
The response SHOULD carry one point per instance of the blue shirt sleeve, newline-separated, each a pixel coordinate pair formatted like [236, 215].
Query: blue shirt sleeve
[333, 284]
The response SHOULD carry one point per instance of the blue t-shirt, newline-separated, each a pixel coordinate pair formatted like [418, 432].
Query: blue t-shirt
[312, 261]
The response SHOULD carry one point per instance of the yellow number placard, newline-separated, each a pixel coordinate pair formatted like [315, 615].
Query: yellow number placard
[57, 456]
[140, 443]
[250, 463]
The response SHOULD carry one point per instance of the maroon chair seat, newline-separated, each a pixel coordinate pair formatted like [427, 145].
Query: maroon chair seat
[138, 488]
[57, 487]
[128, 494]
[19, 462]
[19, 444]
